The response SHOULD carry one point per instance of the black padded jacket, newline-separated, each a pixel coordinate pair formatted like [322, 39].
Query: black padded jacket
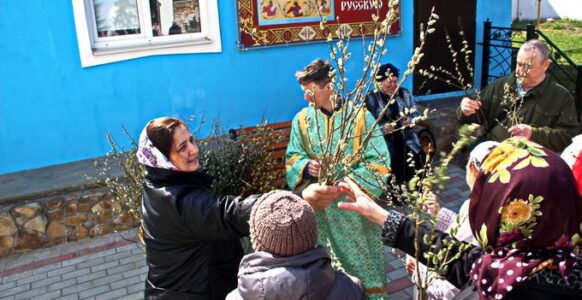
[192, 236]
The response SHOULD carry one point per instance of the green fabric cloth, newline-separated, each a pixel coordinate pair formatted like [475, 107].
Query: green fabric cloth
[548, 107]
[347, 236]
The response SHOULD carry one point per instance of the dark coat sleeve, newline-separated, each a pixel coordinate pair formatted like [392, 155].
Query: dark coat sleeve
[371, 104]
[399, 232]
[558, 136]
[213, 217]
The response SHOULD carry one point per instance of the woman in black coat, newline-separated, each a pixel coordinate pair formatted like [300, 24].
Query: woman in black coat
[191, 235]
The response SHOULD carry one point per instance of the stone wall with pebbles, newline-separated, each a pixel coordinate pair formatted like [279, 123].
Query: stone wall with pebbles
[53, 220]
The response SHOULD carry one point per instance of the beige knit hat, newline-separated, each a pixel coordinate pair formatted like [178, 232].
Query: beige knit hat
[283, 224]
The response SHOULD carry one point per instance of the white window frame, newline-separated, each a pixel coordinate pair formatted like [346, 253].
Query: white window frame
[96, 50]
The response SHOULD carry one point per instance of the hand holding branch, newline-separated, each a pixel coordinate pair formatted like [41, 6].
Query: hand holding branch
[469, 106]
[521, 130]
[313, 168]
[431, 205]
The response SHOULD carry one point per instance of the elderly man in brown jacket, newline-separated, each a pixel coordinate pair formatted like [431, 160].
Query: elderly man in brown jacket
[544, 111]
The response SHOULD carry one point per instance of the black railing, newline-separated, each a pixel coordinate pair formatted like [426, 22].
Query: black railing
[500, 46]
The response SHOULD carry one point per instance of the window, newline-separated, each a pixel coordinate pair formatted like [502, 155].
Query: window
[113, 30]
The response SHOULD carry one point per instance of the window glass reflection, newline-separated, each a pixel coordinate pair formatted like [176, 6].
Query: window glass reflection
[116, 17]
[175, 16]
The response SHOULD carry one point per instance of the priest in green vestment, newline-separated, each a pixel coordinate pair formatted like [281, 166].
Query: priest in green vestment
[349, 238]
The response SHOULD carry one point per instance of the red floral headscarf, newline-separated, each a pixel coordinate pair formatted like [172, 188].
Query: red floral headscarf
[524, 210]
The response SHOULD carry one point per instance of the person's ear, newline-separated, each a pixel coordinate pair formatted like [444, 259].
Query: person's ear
[546, 64]
[474, 170]
[328, 86]
[472, 176]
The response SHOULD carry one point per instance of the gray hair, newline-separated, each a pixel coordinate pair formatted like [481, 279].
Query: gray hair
[543, 50]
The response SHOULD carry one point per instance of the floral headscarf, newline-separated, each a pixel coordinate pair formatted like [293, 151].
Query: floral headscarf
[478, 154]
[524, 210]
[149, 155]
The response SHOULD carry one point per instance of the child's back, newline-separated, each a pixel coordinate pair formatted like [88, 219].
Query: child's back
[287, 265]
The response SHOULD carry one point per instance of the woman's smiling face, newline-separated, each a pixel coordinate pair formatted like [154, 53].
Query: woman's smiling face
[184, 151]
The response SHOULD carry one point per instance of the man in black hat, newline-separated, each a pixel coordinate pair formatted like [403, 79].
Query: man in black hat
[400, 142]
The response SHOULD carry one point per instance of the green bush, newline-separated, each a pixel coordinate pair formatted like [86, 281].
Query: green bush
[558, 26]
[241, 166]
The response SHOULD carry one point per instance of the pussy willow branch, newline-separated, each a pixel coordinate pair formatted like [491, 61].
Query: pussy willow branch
[458, 81]
[378, 40]
[434, 183]
[349, 115]
[411, 65]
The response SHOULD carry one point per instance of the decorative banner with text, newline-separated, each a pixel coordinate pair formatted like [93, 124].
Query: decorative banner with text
[281, 22]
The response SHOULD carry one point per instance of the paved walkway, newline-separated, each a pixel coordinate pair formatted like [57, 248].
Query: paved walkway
[113, 266]
[106, 267]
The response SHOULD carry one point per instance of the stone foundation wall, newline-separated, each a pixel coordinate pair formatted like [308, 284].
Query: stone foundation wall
[53, 220]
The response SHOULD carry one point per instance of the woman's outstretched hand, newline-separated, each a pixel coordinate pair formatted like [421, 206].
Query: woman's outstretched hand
[320, 196]
[361, 203]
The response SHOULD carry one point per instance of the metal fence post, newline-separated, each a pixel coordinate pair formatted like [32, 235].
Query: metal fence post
[486, 53]
[530, 32]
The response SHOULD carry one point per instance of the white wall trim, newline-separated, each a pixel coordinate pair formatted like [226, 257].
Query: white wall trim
[89, 58]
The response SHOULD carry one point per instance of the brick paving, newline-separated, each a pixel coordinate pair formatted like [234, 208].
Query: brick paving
[113, 266]
[106, 267]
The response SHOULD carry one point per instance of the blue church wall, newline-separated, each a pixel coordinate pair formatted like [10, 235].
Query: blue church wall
[54, 111]
[500, 16]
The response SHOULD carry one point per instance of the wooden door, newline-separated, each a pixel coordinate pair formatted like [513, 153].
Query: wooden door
[454, 15]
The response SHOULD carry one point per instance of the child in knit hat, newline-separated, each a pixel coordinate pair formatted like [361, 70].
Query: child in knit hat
[286, 264]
